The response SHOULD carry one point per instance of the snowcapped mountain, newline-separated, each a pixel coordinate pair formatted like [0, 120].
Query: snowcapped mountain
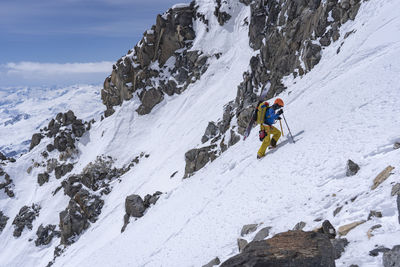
[177, 105]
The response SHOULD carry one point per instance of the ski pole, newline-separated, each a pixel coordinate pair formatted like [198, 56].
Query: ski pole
[288, 128]
[281, 128]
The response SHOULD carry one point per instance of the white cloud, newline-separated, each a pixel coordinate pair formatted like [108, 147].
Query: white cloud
[57, 68]
[36, 73]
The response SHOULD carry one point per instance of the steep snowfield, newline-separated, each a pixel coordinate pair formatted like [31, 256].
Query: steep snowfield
[24, 111]
[347, 107]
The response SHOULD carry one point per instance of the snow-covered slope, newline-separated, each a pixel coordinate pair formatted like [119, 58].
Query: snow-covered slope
[345, 108]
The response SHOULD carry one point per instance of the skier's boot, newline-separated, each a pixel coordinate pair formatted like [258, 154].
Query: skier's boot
[273, 144]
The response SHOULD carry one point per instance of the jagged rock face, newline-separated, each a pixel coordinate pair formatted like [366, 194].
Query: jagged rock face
[82, 209]
[3, 221]
[46, 234]
[160, 63]
[293, 248]
[25, 218]
[290, 36]
[62, 170]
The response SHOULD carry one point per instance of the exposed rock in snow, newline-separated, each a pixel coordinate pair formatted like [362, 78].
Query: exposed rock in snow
[242, 243]
[46, 234]
[212, 263]
[83, 209]
[6, 183]
[395, 189]
[299, 226]
[25, 218]
[339, 245]
[375, 252]
[392, 258]
[134, 206]
[382, 176]
[43, 178]
[352, 168]
[3, 221]
[248, 228]
[262, 234]
[295, 248]
[160, 64]
[345, 229]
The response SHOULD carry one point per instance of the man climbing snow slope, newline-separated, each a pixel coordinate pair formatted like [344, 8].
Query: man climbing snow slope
[266, 116]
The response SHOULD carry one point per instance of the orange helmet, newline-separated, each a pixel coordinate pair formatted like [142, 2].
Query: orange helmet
[279, 102]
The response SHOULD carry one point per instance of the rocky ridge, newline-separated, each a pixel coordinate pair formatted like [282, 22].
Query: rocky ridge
[160, 64]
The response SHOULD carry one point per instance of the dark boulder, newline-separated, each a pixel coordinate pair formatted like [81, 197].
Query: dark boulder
[352, 168]
[150, 98]
[375, 252]
[3, 221]
[197, 158]
[46, 234]
[43, 178]
[25, 218]
[62, 170]
[392, 258]
[36, 138]
[293, 248]
[134, 206]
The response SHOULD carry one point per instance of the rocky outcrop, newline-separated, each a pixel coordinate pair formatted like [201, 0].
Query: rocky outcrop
[43, 178]
[25, 218]
[135, 206]
[83, 209]
[220, 138]
[46, 234]
[160, 64]
[293, 248]
[222, 16]
[6, 183]
[3, 221]
[197, 158]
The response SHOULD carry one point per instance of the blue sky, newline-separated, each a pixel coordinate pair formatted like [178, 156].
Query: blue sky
[41, 34]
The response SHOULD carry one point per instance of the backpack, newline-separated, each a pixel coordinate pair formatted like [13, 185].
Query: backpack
[259, 116]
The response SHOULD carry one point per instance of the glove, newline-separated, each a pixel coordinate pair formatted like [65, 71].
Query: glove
[280, 112]
[279, 118]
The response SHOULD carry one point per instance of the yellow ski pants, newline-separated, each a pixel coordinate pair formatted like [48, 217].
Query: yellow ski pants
[276, 134]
